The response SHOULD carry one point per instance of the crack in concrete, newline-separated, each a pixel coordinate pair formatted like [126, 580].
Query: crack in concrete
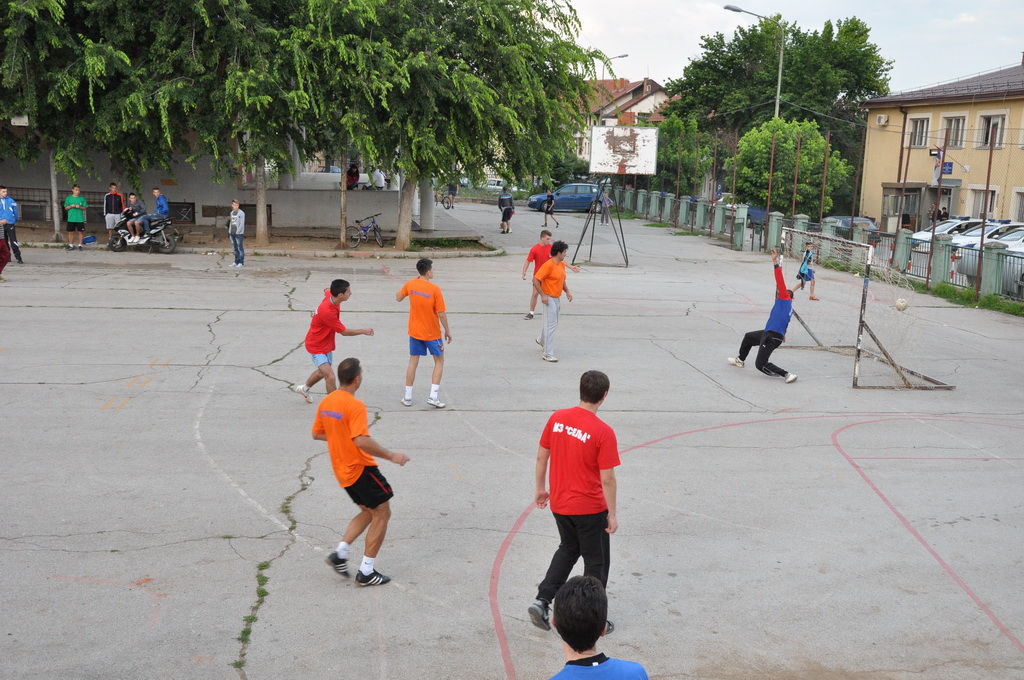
[49, 548]
[244, 637]
[708, 377]
[213, 354]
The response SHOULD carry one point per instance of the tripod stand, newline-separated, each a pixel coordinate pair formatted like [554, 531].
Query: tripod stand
[589, 225]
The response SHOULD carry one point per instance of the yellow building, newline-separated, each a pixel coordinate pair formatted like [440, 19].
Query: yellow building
[984, 116]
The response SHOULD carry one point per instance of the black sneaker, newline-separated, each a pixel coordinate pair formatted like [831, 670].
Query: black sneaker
[338, 564]
[539, 614]
[374, 579]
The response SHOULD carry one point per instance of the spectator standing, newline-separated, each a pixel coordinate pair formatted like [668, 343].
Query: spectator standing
[9, 235]
[162, 208]
[508, 208]
[113, 206]
[549, 282]
[341, 421]
[582, 453]
[74, 208]
[581, 618]
[427, 314]
[453, 191]
[944, 214]
[236, 230]
[606, 207]
[549, 208]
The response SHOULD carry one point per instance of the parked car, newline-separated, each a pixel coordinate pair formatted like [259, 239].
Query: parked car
[967, 255]
[842, 225]
[567, 197]
[992, 230]
[952, 226]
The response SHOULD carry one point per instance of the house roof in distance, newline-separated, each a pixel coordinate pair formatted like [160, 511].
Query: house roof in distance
[997, 84]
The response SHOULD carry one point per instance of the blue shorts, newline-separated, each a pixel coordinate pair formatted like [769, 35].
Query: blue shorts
[420, 348]
[321, 359]
[806, 275]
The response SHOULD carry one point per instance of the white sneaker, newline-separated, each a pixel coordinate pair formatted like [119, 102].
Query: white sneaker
[790, 377]
[550, 357]
[240, 265]
[436, 403]
[406, 402]
[735, 362]
[302, 391]
[537, 340]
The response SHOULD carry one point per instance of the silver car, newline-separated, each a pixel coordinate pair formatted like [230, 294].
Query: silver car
[967, 254]
[956, 225]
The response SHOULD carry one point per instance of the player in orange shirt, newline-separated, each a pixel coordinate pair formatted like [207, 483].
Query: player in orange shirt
[549, 282]
[426, 317]
[341, 422]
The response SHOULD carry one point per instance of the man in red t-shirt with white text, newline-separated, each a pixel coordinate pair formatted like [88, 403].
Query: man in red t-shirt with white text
[583, 454]
[320, 337]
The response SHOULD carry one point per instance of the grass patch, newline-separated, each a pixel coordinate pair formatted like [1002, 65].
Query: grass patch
[687, 233]
[446, 243]
[658, 224]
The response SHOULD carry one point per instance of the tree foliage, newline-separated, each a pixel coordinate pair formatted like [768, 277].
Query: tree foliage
[753, 160]
[683, 156]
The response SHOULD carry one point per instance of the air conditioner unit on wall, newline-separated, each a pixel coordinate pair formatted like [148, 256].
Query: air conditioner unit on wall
[882, 119]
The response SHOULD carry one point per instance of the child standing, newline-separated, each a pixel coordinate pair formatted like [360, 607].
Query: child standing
[236, 230]
[806, 273]
[74, 206]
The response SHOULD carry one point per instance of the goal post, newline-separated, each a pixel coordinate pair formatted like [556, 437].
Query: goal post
[839, 335]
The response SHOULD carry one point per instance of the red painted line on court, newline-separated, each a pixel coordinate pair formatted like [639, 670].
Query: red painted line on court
[923, 458]
[492, 592]
[499, 628]
[952, 573]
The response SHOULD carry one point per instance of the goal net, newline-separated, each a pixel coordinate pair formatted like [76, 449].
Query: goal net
[862, 308]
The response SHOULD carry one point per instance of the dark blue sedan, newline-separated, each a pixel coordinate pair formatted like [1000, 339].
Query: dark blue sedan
[567, 197]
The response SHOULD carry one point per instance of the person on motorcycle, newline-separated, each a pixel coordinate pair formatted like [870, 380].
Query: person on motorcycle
[162, 210]
[134, 209]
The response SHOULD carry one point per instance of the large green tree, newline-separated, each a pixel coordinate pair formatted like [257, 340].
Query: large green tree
[754, 159]
[684, 155]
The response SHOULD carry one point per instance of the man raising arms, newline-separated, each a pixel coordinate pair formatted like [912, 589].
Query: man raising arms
[341, 422]
[426, 317]
[583, 454]
[320, 337]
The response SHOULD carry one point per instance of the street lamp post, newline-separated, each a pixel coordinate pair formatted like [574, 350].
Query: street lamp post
[782, 45]
[619, 56]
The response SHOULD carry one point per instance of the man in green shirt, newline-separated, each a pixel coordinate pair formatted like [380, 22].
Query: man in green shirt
[74, 207]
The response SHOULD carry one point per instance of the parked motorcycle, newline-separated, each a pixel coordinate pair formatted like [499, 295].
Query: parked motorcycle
[162, 236]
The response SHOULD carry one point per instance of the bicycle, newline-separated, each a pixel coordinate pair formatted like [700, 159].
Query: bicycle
[361, 232]
[445, 200]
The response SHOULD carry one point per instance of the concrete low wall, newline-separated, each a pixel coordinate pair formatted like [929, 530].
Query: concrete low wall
[305, 207]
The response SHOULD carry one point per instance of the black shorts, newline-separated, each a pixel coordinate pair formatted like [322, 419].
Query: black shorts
[76, 226]
[549, 209]
[507, 213]
[371, 489]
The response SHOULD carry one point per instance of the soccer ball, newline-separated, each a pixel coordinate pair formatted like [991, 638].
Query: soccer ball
[901, 304]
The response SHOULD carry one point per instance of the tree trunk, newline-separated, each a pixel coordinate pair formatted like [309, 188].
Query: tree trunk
[262, 234]
[343, 184]
[55, 208]
[408, 192]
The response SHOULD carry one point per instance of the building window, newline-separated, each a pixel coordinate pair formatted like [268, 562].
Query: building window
[956, 131]
[979, 209]
[919, 132]
[1019, 217]
[991, 131]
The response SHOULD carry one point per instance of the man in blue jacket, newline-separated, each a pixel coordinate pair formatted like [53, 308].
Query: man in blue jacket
[162, 208]
[774, 333]
[8, 217]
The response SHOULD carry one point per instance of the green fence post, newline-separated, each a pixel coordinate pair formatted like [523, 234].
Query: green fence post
[940, 260]
[641, 201]
[993, 259]
[666, 207]
[901, 251]
[774, 229]
[718, 224]
[702, 215]
[739, 231]
[683, 220]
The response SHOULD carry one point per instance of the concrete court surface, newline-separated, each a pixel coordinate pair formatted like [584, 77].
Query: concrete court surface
[156, 466]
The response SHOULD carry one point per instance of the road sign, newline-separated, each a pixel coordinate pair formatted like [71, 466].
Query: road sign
[947, 168]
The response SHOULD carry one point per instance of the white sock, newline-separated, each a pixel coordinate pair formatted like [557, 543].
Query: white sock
[408, 391]
[342, 550]
[366, 568]
[434, 389]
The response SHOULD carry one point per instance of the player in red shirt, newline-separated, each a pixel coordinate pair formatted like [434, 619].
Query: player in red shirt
[320, 337]
[583, 455]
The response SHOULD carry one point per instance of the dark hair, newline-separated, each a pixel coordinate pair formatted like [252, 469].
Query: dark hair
[593, 386]
[156, 188]
[75, 186]
[424, 265]
[504, 188]
[558, 247]
[348, 370]
[113, 184]
[132, 193]
[581, 612]
[338, 286]
[544, 232]
[2, 186]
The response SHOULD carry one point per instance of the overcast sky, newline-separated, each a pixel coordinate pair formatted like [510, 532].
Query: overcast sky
[928, 41]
